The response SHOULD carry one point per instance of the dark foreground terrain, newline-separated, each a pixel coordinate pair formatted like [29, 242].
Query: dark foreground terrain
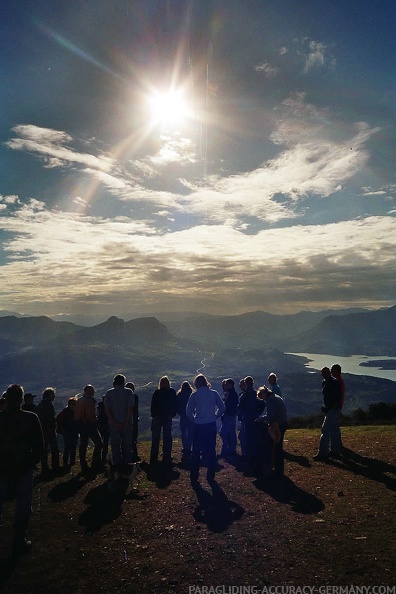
[323, 524]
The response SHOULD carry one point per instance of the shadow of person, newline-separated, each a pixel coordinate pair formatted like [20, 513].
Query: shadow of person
[301, 460]
[7, 568]
[65, 490]
[162, 474]
[285, 491]
[371, 468]
[215, 509]
[104, 505]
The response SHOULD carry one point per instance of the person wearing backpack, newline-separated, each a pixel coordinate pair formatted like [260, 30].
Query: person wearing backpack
[21, 448]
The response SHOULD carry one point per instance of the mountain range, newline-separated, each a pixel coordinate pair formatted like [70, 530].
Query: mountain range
[38, 351]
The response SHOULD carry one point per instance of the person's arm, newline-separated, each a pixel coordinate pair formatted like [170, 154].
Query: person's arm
[220, 405]
[37, 440]
[190, 408]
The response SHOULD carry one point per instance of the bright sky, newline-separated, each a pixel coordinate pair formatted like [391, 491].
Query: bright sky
[218, 156]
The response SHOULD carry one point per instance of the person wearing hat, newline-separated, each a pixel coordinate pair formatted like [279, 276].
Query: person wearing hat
[28, 403]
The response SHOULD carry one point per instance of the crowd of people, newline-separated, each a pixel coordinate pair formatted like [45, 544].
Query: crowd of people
[255, 418]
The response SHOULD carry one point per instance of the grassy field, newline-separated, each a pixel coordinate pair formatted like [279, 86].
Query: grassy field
[323, 524]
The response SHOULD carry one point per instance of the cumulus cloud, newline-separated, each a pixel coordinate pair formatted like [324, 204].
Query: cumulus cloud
[63, 256]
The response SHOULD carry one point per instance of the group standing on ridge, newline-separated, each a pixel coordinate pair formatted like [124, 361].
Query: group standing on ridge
[256, 418]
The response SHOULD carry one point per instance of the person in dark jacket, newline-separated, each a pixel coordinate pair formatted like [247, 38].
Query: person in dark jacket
[21, 447]
[28, 402]
[330, 439]
[228, 419]
[186, 426]
[103, 427]
[163, 409]
[249, 410]
[46, 413]
[67, 427]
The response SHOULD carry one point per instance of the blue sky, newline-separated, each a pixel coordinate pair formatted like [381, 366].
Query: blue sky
[221, 156]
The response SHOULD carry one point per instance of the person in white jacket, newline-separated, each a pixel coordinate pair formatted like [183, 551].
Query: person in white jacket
[203, 408]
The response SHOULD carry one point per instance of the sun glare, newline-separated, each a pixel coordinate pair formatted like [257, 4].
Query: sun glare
[169, 109]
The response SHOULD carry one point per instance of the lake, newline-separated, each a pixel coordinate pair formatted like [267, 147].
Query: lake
[350, 364]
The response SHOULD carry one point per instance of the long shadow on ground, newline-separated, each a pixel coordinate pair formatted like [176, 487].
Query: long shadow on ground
[215, 509]
[371, 468]
[104, 505]
[285, 491]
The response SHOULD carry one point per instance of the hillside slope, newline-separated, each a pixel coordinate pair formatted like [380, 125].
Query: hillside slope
[323, 524]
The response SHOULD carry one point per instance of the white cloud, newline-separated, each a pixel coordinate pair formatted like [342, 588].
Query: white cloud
[63, 258]
[266, 68]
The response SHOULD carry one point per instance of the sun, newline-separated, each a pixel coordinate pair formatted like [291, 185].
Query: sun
[169, 109]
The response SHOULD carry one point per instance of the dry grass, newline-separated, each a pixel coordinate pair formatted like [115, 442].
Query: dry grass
[324, 524]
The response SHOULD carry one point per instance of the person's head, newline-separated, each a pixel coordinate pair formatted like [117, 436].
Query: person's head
[48, 394]
[28, 398]
[242, 384]
[325, 371]
[186, 388]
[229, 384]
[335, 370]
[14, 396]
[72, 401]
[119, 380]
[130, 385]
[249, 381]
[272, 379]
[200, 381]
[164, 382]
[263, 393]
[89, 390]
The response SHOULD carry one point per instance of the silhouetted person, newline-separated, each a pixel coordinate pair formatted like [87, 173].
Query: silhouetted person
[46, 413]
[163, 409]
[135, 423]
[336, 372]
[228, 419]
[249, 410]
[273, 384]
[119, 402]
[87, 426]
[330, 440]
[21, 447]
[104, 430]
[204, 407]
[273, 424]
[28, 402]
[67, 427]
[186, 426]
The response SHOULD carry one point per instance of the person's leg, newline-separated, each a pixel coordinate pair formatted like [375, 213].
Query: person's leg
[196, 452]
[209, 447]
[224, 436]
[82, 452]
[127, 445]
[53, 444]
[232, 436]
[23, 510]
[335, 434]
[167, 440]
[98, 445]
[279, 458]
[67, 446]
[324, 441]
[115, 444]
[155, 438]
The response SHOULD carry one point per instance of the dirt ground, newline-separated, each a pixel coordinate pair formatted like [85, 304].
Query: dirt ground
[322, 524]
